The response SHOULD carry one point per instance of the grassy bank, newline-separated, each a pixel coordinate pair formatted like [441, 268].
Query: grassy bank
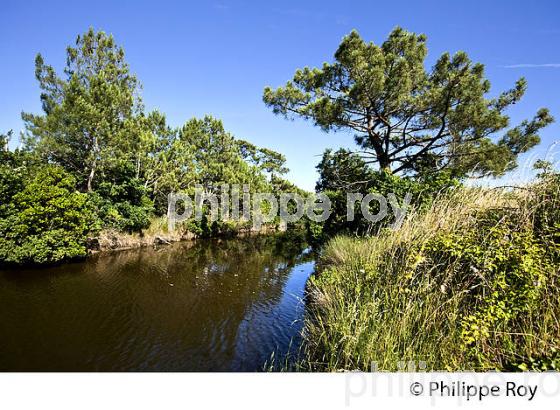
[470, 284]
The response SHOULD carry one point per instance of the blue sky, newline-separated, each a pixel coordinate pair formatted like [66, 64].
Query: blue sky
[195, 58]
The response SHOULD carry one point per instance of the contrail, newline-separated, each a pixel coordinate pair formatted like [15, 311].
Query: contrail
[550, 65]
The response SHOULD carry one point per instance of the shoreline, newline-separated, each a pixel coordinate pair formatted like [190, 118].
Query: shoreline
[115, 241]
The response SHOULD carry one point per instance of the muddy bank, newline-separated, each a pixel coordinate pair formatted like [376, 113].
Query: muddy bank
[112, 240]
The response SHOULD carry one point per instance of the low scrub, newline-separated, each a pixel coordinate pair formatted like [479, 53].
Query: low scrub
[469, 284]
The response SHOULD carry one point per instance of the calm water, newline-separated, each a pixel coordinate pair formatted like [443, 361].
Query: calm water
[204, 306]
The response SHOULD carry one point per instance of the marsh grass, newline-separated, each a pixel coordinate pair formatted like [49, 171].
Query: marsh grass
[468, 284]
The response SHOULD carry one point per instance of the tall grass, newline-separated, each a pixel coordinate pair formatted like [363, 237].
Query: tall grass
[466, 285]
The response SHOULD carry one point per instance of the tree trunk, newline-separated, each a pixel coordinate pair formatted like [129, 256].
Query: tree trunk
[93, 165]
[384, 162]
[90, 177]
[381, 155]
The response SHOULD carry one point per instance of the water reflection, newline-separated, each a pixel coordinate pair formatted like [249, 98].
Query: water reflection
[205, 306]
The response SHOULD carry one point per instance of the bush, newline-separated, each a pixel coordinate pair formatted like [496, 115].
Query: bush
[472, 283]
[544, 204]
[422, 190]
[121, 201]
[122, 216]
[502, 272]
[47, 221]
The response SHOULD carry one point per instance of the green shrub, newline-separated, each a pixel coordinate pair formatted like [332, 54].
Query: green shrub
[544, 203]
[47, 221]
[122, 202]
[501, 272]
[422, 192]
[122, 216]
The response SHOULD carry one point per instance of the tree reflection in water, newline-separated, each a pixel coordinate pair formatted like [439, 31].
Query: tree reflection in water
[192, 306]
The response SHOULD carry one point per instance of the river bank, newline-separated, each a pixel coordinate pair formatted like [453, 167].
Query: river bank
[157, 234]
[470, 284]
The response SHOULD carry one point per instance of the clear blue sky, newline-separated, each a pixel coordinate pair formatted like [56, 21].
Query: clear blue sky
[195, 58]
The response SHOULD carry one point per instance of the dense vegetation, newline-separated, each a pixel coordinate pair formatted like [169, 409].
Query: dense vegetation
[470, 280]
[47, 220]
[96, 160]
[471, 284]
[343, 172]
